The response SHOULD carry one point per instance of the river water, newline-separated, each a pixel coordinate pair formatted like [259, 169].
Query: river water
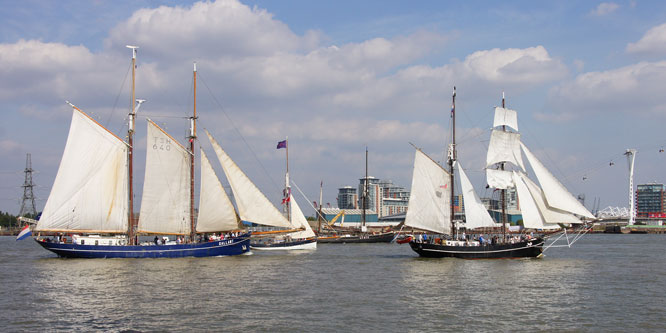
[604, 283]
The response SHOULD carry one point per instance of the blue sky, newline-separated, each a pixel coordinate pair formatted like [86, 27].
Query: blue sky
[585, 77]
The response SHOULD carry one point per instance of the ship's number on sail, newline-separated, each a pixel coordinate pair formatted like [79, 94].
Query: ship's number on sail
[161, 144]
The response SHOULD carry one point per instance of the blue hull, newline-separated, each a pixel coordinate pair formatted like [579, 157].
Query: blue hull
[227, 247]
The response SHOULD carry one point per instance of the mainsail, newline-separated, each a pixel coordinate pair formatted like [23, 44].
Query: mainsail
[253, 206]
[165, 204]
[556, 194]
[430, 197]
[216, 212]
[476, 214]
[90, 192]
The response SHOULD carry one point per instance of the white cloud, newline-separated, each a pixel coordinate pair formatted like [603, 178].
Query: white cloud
[652, 43]
[634, 89]
[604, 8]
[224, 27]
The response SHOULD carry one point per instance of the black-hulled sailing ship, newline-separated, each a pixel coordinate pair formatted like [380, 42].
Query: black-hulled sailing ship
[341, 236]
[89, 212]
[432, 195]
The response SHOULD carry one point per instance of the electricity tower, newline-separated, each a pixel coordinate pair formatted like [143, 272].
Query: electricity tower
[28, 202]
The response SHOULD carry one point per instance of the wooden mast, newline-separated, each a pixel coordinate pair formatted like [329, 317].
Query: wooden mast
[503, 191]
[193, 136]
[452, 158]
[130, 155]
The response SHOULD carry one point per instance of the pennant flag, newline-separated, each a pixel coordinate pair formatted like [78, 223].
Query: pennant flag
[282, 144]
[25, 233]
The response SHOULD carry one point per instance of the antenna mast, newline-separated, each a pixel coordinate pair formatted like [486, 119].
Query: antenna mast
[28, 201]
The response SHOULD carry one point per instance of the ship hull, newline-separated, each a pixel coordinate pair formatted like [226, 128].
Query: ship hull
[363, 238]
[228, 247]
[525, 249]
[303, 244]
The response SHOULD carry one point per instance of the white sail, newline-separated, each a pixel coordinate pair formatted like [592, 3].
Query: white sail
[557, 196]
[476, 214]
[532, 218]
[90, 192]
[505, 117]
[298, 220]
[430, 198]
[253, 206]
[165, 204]
[216, 212]
[502, 179]
[504, 147]
[550, 215]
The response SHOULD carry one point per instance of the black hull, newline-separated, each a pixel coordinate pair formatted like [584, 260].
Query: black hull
[362, 238]
[526, 249]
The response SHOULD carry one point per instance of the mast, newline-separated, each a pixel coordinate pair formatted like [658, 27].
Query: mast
[365, 189]
[321, 192]
[193, 136]
[503, 191]
[286, 182]
[130, 155]
[452, 158]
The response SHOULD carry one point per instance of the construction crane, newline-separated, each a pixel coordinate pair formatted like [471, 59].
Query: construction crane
[335, 218]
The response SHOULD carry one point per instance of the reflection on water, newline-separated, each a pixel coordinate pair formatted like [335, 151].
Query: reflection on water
[603, 283]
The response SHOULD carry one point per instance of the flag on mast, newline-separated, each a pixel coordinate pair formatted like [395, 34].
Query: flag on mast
[282, 144]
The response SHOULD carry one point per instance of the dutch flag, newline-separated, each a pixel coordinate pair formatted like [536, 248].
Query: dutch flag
[25, 233]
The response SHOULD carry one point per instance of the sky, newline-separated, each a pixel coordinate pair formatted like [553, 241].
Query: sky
[586, 78]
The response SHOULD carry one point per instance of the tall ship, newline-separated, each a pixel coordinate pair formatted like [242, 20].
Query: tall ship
[90, 210]
[544, 208]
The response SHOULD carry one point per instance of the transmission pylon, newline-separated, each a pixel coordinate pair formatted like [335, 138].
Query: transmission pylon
[28, 202]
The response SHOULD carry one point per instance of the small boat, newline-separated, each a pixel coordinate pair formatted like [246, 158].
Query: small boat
[432, 196]
[294, 230]
[404, 239]
[89, 211]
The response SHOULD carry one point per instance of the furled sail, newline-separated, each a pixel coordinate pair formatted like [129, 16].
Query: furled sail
[430, 197]
[476, 214]
[216, 212]
[165, 204]
[505, 117]
[550, 215]
[253, 206]
[504, 147]
[557, 196]
[298, 220]
[532, 218]
[90, 192]
[502, 179]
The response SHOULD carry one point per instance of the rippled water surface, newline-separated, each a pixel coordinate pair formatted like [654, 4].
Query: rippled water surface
[605, 283]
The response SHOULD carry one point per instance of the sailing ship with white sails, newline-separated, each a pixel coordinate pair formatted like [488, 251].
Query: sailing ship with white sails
[91, 203]
[294, 231]
[544, 207]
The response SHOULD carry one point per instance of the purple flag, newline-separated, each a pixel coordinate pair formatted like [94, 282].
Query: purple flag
[282, 144]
